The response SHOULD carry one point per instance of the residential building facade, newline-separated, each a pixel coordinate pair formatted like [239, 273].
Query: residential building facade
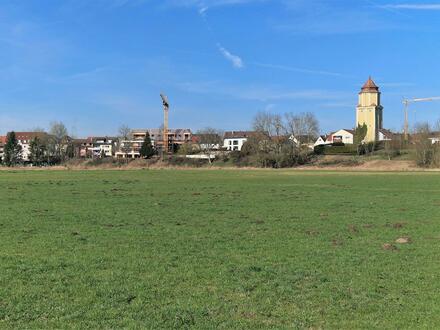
[234, 140]
[24, 139]
[345, 136]
[131, 148]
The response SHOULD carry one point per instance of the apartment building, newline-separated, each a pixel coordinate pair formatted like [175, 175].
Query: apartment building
[130, 148]
[24, 139]
[95, 147]
[2, 146]
[234, 140]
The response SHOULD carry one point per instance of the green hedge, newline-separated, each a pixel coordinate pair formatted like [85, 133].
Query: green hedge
[336, 150]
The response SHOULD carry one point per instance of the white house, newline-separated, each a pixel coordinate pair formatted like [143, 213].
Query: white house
[385, 135]
[24, 139]
[345, 136]
[322, 140]
[234, 140]
[306, 140]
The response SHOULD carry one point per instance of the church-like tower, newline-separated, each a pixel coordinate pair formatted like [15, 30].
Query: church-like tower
[369, 110]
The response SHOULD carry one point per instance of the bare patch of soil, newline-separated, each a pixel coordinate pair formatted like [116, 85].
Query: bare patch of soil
[353, 229]
[389, 247]
[404, 240]
[336, 242]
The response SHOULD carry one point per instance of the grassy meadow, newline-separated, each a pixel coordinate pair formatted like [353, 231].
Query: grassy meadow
[219, 249]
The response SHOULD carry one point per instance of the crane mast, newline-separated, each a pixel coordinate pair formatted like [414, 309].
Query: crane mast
[166, 108]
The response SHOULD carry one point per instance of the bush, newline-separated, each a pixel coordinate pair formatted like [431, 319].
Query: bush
[319, 149]
[183, 161]
[336, 150]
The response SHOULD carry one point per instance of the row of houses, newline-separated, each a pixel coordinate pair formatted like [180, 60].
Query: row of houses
[104, 146]
[129, 148]
[346, 136]
[235, 140]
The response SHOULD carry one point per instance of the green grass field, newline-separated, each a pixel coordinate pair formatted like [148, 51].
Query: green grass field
[218, 249]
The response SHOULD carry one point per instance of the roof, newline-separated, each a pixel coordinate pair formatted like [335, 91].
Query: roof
[2, 139]
[387, 133]
[157, 132]
[351, 131]
[370, 86]
[238, 134]
[94, 139]
[196, 138]
[80, 141]
[29, 135]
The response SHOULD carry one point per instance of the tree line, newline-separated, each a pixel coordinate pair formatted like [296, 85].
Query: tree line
[279, 140]
[51, 148]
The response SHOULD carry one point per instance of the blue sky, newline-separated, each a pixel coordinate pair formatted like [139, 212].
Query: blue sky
[97, 64]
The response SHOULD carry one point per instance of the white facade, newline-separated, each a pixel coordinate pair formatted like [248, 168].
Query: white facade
[234, 144]
[129, 149]
[25, 149]
[342, 136]
[24, 139]
[384, 135]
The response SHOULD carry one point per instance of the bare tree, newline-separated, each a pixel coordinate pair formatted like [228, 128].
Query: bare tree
[424, 148]
[394, 146]
[270, 138]
[124, 132]
[58, 130]
[37, 129]
[58, 141]
[262, 123]
[311, 125]
[303, 126]
[209, 139]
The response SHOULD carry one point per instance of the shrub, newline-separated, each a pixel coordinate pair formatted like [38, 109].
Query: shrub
[336, 150]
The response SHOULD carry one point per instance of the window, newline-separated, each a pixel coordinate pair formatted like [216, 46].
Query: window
[235, 142]
[230, 142]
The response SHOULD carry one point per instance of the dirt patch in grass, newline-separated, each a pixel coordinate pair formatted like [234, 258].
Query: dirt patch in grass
[404, 240]
[353, 229]
[337, 242]
[389, 247]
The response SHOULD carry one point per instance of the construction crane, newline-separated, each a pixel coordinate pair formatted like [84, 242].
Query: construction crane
[166, 107]
[407, 102]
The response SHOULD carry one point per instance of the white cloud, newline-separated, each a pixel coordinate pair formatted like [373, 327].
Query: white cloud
[236, 61]
[299, 70]
[426, 6]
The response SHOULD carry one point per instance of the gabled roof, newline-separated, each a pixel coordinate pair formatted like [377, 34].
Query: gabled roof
[238, 134]
[370, 86]
[80, 141]
[30, 135]
[387, 133]
[351, 131]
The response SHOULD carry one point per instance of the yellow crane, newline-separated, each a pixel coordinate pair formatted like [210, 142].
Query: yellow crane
[166, 107]
[407, 102]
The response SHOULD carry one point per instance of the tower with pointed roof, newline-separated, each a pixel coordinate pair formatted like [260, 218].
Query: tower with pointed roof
[369, 110]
